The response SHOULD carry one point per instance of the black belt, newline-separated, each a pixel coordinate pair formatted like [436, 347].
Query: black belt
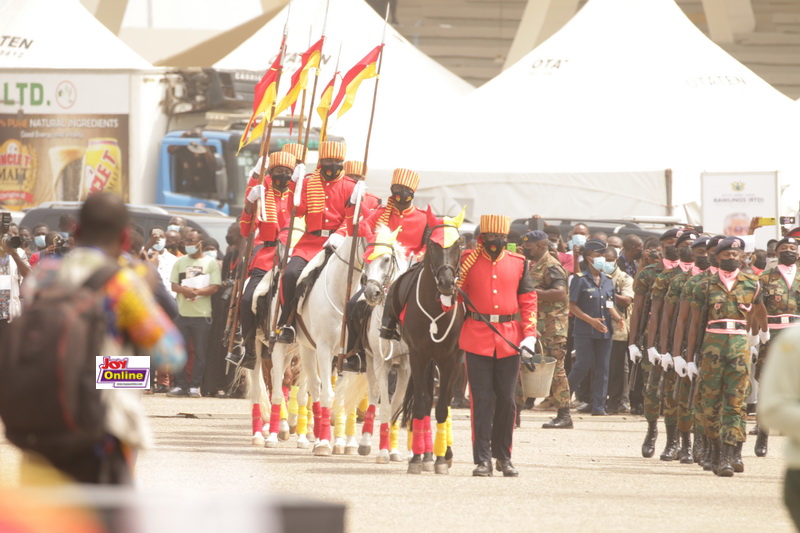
[495, 319]
[783, 319]
[269, 244]
[323, 232]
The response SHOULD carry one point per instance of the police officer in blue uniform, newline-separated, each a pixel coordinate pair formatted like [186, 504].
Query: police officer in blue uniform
[591, 301]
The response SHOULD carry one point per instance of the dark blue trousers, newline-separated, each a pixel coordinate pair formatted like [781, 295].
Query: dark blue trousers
[592, 355]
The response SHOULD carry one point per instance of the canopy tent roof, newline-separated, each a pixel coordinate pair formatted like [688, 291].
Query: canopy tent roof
[61, 35]
[592, 117]
[412, 85]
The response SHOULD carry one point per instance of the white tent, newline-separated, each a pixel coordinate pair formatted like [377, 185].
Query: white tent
[412, 90]
[587, 123]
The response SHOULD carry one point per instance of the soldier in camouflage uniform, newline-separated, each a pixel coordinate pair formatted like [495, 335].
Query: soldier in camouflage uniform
[550, 280]
[730, 297]
[780, 287]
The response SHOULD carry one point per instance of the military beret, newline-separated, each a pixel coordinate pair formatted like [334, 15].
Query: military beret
[535, 236]
[687, 236]
[700, 241]
[730, 243]
[794, 233]
[594, 245]
[788, 240]
[714, 241]
[673, 233]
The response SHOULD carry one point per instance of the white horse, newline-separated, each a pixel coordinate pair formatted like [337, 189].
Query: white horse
[318, 329]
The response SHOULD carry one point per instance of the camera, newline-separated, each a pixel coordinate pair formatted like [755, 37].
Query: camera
[8, 241]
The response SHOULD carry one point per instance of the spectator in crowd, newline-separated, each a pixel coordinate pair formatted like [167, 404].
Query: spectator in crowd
[211, 249]
[13, 230]
[159, 256]
[577, 238]
[66, 225]
[618, 401]
[615, 241]
[592, 299]
[600, 236]
[39, 233]
[195, 277]
[779, 409]
[174, 243]
[54, 245]
[135, 325]
[632, 248]
[27, 240]
[178, 224]
[557, 244]
[13, 269]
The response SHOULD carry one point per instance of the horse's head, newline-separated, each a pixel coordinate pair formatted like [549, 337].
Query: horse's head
[443, 254]
[384, 264]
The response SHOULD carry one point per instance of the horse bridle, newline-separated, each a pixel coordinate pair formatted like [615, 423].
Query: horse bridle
[445, 267]
[387, 279]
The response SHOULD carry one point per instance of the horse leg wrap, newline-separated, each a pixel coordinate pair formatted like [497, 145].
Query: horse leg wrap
[410, 436]
[340, 418]
[418, 445]
[293, 407]
[258, 422]
[350, 427]
[384, 437]
[426, 426]
[316, 408]
[364, 405]
[302, 420]
[325, 424]
[275, 418]
[449, 427]
[394, 436]
[440, 447]
[283, 412]
[369, 421]
[286, 392]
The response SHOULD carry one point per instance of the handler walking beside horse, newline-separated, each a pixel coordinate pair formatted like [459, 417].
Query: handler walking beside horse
[497, 286]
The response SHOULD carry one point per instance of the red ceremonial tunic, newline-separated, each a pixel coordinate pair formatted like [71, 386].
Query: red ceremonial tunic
[370, 202]
[265, 257]
[412, 223]
[494, 286]
[333, 219]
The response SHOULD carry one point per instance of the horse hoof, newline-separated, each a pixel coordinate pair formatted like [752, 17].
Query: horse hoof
[302, 442]
[427, 462]
[322, 449]
[311, 437]
[338, 447]
[364, 450]
[293, 430]
[351, 450]
[383, 457]
[272, 441]
[258, 439]
[283, 430]
[441, 468]
[395, 456]
[414, 468]
[449, 462]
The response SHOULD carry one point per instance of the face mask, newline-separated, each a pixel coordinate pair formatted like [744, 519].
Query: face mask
[671, 253]
[64, 235]
[280, 180]
[577, 240]
[495, 247]
[729, 265]
[609, 268]
[760, 263]
[599, 263]
[403, 197]
[331, 170]
[653, 254]
[39, 241]
[174, 227]
[787, 258]
[191, 249]
[158, 246]
[211, 253]
[702, 262]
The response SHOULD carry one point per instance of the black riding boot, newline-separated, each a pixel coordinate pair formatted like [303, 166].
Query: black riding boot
[697, 452]
[562, 420]
[685, 452]
[708, 455]
[715, 455]
[649, 444]
[726, 459]
[670, 452]
[737, 463]
[761, 443]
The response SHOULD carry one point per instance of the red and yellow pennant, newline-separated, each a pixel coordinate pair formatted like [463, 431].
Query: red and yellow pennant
[264, 96]
[309, 59]
[324, 108]
[364, 69]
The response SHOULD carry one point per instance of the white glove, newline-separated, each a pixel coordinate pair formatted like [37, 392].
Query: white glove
[680, 365]
[257, 167]
[753, 339]
[299, 172]
[691, 370]
[634, 354]
[255, 193]
[753, 354]
[528, 343]
[653, 356]
[666, 361]
[334, 241]
[447, 301]
[358, 192]
[763, 336]
[298, 191]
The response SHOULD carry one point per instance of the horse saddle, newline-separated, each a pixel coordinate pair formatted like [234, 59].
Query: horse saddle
[311, 273]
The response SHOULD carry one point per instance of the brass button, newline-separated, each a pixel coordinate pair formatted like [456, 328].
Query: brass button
[495, 291]
[496, 306]
[494, 276]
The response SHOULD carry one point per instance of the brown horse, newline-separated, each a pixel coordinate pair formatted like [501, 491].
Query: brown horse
[431, 331]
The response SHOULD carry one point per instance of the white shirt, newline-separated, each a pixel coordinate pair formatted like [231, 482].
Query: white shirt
[15, 306]
[166, 261]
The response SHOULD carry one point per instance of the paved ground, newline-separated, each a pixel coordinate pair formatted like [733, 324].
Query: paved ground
[591, 478]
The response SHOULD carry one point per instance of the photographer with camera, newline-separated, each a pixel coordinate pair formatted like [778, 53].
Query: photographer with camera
[54, 246]
[13, 269]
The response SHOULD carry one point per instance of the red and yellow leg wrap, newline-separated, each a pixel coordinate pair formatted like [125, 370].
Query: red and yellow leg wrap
[302, 419]
[275, 418]
[426, 426]
[350, 427]
[394, 436]
[340, 419]
[293, 405]
[258, 422]
[316, 408]
[418, 444]
[325, 424]
[449, 427]
[440, 446]
[369, 420]
[384, 437]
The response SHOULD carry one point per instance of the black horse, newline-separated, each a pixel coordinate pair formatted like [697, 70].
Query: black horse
[431, 332]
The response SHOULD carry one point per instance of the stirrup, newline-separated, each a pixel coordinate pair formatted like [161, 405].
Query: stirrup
[286, 335]
[389, 334]
[355, 363]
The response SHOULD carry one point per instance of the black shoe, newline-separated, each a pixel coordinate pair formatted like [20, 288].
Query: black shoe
[712, 455]
[161, 389]
[389, 334]
[649, 444]
[637, 409]
[726, 458]
[529, 403]
[762, 444]
[584, 408]
[670, 452]
[561, 421]
[698, 450]
[286, 336]
[484, 469]
[355, 363]
[506, 468]
[685, 453]
[736, 461]
[624, 409]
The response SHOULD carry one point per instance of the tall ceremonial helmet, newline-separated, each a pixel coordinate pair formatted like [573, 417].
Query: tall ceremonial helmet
[332, 150]
[354, 169]
[282, 159]
[495, 224]
[406, 178]
[296, 149]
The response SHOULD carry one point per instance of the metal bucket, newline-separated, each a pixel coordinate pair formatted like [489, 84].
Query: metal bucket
[536, 384]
